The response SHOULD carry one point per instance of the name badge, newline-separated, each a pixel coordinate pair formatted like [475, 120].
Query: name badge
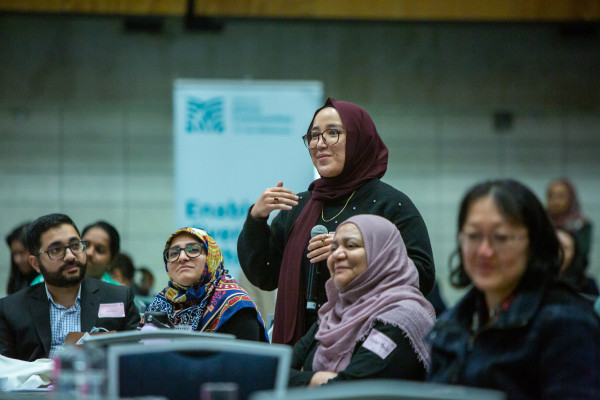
[379, 344]
[111, 310]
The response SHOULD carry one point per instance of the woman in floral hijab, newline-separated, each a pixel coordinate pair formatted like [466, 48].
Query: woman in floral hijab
[200, 295]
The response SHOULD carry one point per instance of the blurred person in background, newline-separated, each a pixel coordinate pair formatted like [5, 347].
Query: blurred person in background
[144, 286]
[564, 210]
[21, 271]
[122, 270]
[519, 329]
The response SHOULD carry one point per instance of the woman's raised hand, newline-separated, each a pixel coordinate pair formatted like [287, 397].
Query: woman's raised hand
[275, 198]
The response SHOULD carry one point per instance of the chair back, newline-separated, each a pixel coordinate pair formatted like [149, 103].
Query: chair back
[177, 370]
[112, 338]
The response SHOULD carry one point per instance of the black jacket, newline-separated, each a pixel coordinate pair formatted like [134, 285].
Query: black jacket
[546, 345]
[25, 317]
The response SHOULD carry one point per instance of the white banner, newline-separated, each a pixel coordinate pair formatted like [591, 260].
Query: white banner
[233, 139]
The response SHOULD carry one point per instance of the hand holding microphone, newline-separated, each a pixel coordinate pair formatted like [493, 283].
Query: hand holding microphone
[318, 247]
[319, 244]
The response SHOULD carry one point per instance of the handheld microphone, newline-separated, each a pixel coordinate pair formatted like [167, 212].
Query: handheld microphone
[311, 287]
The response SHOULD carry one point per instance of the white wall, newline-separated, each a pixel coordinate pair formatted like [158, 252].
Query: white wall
[86, 114]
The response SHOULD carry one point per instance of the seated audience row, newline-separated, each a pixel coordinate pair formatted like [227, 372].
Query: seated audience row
[520, 329]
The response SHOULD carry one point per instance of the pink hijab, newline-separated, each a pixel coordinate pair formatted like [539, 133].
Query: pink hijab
[571, 220]
[388, 291]
[366, 159]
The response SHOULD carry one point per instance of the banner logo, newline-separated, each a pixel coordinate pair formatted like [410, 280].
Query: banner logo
[205, 116]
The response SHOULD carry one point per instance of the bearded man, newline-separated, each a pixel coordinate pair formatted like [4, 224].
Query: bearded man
[35, 321]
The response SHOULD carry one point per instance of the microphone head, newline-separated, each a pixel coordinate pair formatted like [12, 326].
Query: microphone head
[318, 230]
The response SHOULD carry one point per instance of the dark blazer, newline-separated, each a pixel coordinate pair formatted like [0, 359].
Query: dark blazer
[25, 317]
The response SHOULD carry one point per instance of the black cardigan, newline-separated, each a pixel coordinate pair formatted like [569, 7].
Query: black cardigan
[260, 246]
[401, 363]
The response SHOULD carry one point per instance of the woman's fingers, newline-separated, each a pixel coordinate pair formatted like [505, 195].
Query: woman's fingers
[319, 247]
[275, 198]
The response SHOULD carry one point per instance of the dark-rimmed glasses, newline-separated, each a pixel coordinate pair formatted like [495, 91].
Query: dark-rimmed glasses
[471, 241]
[329, 136]
[192, 250]
[58, 252]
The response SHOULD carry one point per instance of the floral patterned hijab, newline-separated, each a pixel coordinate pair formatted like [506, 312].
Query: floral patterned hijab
[211, 301]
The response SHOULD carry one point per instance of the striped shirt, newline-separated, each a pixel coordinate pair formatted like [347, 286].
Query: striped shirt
[62, 321]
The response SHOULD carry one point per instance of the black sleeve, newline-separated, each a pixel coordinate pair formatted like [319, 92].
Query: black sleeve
[260, 250]
[401, 363]
[412, 227]
[244, 325]
[575, 273]
[7, 339]
[302, 356]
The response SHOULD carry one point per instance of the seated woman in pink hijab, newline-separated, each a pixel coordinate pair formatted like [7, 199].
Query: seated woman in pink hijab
[375, 320]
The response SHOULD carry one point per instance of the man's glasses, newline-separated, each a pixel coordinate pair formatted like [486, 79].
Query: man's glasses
[471, 241]
[330, 136]
[58, 252]
[192, 250]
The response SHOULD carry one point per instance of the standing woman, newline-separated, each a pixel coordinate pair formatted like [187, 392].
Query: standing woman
[519, 329]
[565, 213]
[21, 272]
[201, 295]
[350, 157]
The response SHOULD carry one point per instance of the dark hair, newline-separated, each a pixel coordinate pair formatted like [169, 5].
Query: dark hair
[519, 206]
[43, 224]
[124, 263]
[113, 235]
[19, 233]
[16, 277]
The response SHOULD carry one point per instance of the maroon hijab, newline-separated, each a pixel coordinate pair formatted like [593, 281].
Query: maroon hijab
[366, 159]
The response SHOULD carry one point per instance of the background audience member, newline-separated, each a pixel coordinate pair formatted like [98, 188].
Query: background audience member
[21, 271]
[200, 295]
[375, 320]
[519, 329]
[145, 285]
[567, 244]
[122, 269]
[350, 157]
[35, 321]
[564, 211]
[103, 247]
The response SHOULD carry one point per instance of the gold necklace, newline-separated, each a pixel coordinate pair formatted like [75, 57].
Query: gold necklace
[336, 215]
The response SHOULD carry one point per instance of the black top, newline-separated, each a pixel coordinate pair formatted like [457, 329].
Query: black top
[244, 325]
[545, 345]
[401, 363]
[260, 246]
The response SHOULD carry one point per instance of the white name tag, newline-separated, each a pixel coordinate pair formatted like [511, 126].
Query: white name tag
[379, 344]
[183, 327]
[111, 310]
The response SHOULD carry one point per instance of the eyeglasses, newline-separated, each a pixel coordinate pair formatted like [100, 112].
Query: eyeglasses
[471, 241]
[330, 136]
[192, 250]
[58, 252]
